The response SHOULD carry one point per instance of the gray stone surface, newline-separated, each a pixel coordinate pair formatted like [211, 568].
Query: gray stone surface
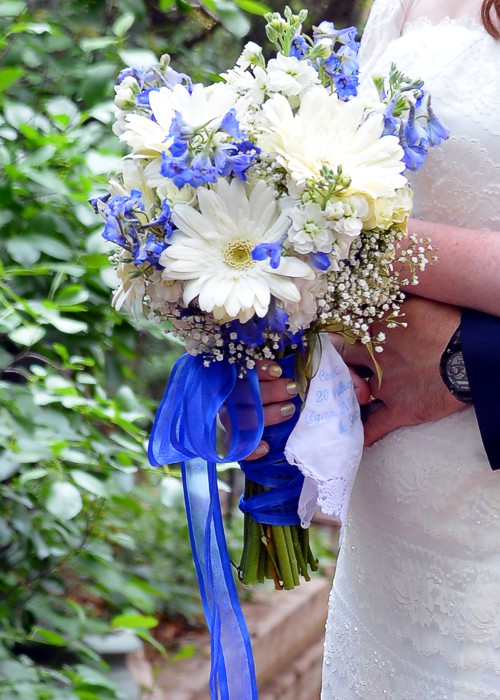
[286, 628]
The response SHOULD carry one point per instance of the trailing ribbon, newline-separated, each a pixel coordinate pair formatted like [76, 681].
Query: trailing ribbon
[184, 431]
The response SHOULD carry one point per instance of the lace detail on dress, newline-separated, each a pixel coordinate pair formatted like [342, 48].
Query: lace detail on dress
[358, 665]
[461, 170]
[384, 24]
[415, 610]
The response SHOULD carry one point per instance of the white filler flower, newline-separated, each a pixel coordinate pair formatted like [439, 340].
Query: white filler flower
[212, 250]
[327, 131]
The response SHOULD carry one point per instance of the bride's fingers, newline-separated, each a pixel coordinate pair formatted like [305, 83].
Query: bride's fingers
[267, 370]
[278, 391]
[278, 412]
[361, 388]
[261, 450]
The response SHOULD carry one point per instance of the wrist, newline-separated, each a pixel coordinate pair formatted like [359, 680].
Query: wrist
[453, 371]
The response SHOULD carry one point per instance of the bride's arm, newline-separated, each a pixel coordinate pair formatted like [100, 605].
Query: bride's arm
[467, 271]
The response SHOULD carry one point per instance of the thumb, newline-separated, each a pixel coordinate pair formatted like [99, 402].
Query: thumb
[380, 422]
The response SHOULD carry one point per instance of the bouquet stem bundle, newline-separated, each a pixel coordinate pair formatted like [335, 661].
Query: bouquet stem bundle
[281, 553]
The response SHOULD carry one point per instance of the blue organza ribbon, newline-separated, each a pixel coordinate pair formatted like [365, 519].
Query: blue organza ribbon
[185, 431]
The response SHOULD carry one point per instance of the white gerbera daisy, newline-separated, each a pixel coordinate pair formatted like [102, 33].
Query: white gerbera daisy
[212, 251]
[327, 131]
[202, 106]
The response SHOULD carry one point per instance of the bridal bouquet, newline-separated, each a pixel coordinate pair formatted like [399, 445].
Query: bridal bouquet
[249, 215]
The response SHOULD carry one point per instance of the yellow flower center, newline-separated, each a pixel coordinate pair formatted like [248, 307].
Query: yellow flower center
[238, 255]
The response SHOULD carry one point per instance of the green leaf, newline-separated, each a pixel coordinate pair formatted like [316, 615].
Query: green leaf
[89, 483]
[68, 325]
[23, 251]
[17, 113]
[138, 58]
[64, 500]
[97, 43]
[233, 19]
[32, 474]
[253, 6]
[145, 622]
[27, 335]
[48, 179]
[12, 8]
[8, 76]
[122, 24]
[93, 678]
[9, 465]
[71, 295]
[40, 634]
[97, 84]
[32, 28]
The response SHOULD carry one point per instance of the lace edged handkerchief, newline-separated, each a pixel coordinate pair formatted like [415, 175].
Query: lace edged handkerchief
[327, 442]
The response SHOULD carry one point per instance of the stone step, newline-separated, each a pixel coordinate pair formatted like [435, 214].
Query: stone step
[286, 628]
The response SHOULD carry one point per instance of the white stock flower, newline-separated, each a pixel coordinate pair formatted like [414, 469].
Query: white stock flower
[202, 106]
[125, 93]
[251, 55]
[212, 251]
[290, 76]
[304, 313]
[309, 231]
[345, 231]
[327, 131]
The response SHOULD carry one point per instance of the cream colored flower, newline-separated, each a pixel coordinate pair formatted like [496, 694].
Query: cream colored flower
[386, 211]
[202, 106]
[327, 131]
[212, 251]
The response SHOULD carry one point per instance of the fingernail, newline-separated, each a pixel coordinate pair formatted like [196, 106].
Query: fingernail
[275, 371]
[292, 388]
[261, 449]
[287, 410]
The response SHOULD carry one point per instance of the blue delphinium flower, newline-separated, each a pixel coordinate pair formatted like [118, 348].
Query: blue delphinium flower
[163, 220]
[437, 130]
[346, 85]
[230, 125]
[391, 123]
[142, 98]
[188, 171]
[112, 230]
[414, 139]
[235, 158]
[414, 154]
[128, 73]
[122, 205]
[149, 251]
[94, 201]
[321, 261]
[299, 47]
[268, 250]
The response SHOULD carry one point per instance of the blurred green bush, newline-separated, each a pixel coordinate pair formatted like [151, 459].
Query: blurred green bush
[91, 539]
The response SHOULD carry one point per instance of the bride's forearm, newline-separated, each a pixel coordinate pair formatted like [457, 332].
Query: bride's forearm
[467, 271]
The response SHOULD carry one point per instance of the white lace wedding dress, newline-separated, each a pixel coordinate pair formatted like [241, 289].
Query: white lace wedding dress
[415, 608]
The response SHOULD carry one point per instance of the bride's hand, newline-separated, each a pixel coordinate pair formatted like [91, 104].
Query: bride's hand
[276, 393]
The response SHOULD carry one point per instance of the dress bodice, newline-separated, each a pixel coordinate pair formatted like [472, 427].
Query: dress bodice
[459, 63]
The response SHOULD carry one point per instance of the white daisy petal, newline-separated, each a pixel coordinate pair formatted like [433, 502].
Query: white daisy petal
[212, 250]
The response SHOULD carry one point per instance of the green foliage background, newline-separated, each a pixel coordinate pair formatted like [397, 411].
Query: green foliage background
[91, 539]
